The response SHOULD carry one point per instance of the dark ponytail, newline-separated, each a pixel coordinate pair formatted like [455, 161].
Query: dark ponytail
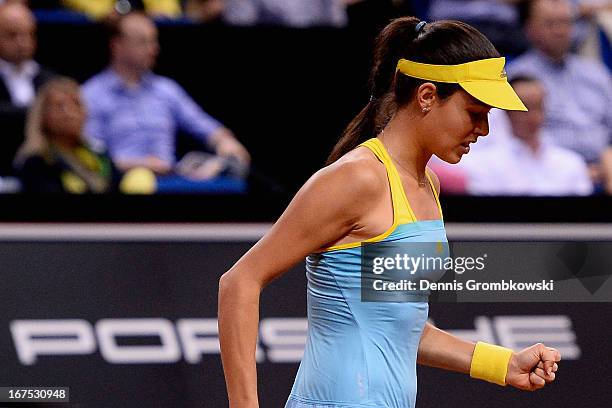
[442, 42]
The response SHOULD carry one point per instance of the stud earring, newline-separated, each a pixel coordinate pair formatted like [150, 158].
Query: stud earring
[425, 109]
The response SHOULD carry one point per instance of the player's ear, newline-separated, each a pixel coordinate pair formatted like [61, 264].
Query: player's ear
[426, 95]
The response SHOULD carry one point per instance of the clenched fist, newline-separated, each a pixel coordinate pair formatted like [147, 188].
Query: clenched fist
[533, 367]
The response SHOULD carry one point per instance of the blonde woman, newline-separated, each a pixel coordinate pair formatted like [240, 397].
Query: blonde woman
[54, 157]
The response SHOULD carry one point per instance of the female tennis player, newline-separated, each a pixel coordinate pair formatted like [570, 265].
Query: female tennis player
[432, 87]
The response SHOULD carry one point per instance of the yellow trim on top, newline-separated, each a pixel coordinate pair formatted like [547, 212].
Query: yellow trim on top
[397, 192]
[435, 193]
[377, 238]
[413, 217]
[377, 144]
[405, 213]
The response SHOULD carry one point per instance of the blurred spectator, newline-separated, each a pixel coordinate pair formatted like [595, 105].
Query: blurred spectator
[136, 113]
[579, 91]
[204, 11]
[20, 76]
[98, 9]
[291, 13]
[597, 15]
[526, 164]
[497, 19]
[54, 157]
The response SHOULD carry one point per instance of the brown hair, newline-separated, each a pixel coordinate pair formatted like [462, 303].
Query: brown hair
[442, 42]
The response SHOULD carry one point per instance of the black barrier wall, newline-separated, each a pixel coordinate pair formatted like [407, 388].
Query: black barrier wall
[133, 324]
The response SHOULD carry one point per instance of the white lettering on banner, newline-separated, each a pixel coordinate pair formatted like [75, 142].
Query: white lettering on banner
[109, 329]
[34, 338]
[198, 336]
[283, 339]
[201, 336]
[483, 331]
[518, 332]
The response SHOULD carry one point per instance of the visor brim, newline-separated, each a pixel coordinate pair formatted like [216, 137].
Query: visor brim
[498, 94]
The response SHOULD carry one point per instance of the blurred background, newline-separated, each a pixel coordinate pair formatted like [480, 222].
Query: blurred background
[146, 145]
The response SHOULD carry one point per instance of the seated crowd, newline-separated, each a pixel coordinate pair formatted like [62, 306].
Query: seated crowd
[124, 119]
[117, 132]
[569, 126]
[288, 13]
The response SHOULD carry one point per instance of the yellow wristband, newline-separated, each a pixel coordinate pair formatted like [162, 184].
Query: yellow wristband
[490, 363]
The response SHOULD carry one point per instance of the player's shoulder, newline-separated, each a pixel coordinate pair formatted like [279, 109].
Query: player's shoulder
[358, 174]
[360, 169]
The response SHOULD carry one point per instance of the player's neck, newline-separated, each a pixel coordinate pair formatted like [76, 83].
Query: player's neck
[400, 137]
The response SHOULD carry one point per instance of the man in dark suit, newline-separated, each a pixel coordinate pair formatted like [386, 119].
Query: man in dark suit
[20, 76]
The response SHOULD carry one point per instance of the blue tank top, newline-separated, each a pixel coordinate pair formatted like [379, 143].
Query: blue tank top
[362, 354]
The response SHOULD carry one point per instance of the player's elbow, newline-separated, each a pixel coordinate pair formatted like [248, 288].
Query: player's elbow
[223, 281]
[235, 285]
[227, 281]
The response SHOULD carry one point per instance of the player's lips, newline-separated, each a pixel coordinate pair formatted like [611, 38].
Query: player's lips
[466, 145]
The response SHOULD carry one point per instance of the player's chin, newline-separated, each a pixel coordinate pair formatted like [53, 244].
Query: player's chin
[452, 156]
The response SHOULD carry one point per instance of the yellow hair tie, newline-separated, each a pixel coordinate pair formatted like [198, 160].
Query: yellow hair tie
[490, 363]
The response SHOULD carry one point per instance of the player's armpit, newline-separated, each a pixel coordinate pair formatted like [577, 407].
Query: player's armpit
[325, 209]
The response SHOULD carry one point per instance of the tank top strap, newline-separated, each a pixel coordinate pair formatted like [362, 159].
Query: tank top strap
[435, 193]
[402, 212]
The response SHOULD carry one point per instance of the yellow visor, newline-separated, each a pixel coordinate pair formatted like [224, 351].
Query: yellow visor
[485, 80]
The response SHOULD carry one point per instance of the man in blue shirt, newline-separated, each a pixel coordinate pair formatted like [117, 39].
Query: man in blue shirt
[135, 113]
[291, 13]
[579, 91]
